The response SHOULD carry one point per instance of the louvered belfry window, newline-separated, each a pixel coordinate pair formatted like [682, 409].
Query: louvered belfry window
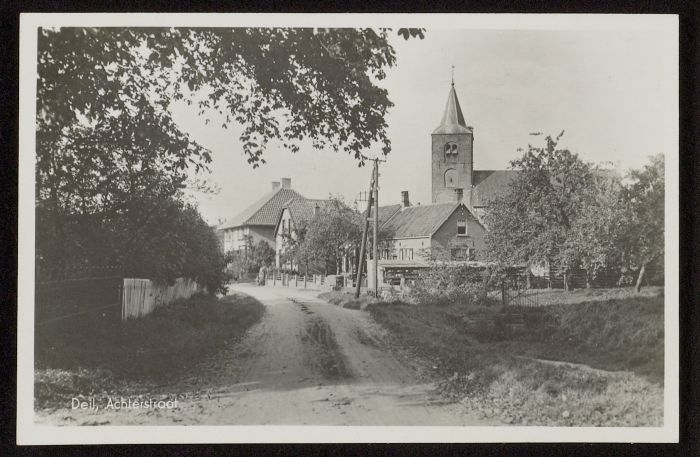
[451, 151]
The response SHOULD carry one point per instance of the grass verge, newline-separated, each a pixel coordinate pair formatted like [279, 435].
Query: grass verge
[90, 357]
[496, 370]
[347, 300]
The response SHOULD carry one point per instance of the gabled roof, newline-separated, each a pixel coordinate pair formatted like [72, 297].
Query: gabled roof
[301, 210]
[265, 211]
[490, 183]
[419, 221]
[385, 212]
[453, 119]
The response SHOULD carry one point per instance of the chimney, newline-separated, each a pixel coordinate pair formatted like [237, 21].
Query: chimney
[286, 183]
[459, 194]
[404, 199]
[275, 185]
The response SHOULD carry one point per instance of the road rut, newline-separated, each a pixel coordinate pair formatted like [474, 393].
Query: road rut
[307, 362]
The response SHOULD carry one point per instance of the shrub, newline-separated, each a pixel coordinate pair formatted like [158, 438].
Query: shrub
[155, 238]
[449, 284]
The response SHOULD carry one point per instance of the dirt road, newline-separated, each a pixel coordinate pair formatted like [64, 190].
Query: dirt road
[306, 362]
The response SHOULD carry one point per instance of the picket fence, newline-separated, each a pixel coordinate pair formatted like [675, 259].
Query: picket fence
[142, 296]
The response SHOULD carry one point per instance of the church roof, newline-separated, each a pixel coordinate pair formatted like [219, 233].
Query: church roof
[265, 211]
[453, 119]
[489, 183]
[419, 221]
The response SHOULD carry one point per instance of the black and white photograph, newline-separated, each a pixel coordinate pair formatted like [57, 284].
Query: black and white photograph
[314, 228]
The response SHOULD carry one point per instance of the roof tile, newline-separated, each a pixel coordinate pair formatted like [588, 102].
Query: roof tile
[419, 221]
[265, 211]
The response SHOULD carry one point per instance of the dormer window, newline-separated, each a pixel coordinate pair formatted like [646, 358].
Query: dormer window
[451, 151]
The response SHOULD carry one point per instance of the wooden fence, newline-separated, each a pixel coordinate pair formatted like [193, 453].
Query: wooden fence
[143, 296]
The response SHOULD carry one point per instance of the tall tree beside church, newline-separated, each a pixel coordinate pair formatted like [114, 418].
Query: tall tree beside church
[532, 221]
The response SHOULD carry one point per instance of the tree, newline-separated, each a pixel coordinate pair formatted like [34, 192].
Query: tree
[252, 257]
[262, 254]
[295, 251]
[532, 221]
[278, 83]
[598, 238]
[332, 234]
[158, 238]
[645, 195]
[106, 139]
[108, 149]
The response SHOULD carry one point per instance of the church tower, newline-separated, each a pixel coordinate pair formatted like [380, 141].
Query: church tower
[452, 155]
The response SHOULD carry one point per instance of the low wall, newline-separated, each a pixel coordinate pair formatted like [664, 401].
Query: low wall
[142, 296]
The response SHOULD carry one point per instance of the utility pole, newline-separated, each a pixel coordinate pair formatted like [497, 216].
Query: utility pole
[372, 201]
[375, 238]
[363, 246]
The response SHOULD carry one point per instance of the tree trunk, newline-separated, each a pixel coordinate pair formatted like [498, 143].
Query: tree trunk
[640, 278]
[567, 282]
[486, 282]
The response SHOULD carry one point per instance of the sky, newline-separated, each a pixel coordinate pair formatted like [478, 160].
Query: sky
[606, 88]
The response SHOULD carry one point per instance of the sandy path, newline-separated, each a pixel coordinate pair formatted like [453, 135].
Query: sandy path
[306, 362]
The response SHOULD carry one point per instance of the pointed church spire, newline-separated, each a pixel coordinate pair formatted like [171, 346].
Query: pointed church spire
[452, 120]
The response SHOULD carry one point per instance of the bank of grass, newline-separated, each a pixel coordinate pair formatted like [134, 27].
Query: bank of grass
[347, 299]
[91, 357]
[515, 375]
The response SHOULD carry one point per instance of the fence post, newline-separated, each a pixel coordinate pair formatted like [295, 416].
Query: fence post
[120, 288]
[504, 297]
[274, 277]
[296, 280]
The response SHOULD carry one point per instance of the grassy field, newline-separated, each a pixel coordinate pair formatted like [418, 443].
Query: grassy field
[594, 363]
[91, 357]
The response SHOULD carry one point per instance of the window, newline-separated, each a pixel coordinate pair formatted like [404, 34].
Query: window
[460, 253]
[284, 226]
[462, 227]
[451, 151]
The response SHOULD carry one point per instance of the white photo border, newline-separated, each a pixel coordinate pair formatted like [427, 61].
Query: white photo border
[29, 432]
